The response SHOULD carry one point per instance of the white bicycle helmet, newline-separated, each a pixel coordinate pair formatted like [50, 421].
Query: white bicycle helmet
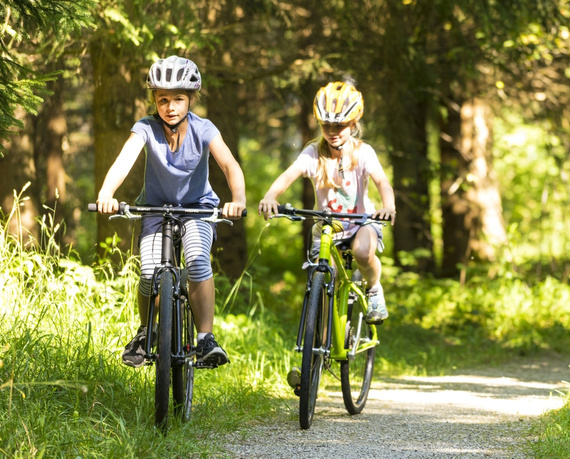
[174, 73]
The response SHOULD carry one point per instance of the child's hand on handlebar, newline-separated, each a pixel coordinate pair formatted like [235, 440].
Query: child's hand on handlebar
[386, 214]
[107, 205]
[267, 206]
[233, 210]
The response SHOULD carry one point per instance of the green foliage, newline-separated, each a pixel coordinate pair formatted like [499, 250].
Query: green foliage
[44, 27]
[18, 86]
[534, 176]
[276, 244]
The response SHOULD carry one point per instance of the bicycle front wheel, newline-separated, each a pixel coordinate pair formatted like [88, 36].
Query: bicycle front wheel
[183, 375]
[356, 374]
[313, 352]
[164, 358]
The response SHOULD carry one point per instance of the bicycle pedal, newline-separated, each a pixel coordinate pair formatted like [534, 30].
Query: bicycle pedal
[297, 390]
[294, 377]
[205, 365]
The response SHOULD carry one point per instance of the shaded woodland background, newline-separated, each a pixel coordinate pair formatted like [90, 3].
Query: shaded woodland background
[451, 88]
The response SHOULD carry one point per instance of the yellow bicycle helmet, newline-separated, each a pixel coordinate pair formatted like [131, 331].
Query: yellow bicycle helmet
[338, 102]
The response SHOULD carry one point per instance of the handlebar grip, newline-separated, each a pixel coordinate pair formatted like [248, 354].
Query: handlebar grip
[287, 209]
[244, 213]
[92, 207]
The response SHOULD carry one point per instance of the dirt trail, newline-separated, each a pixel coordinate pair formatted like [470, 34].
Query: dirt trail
[479, 413]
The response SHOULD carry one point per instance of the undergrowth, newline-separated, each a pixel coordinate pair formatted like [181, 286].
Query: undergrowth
[63, 325]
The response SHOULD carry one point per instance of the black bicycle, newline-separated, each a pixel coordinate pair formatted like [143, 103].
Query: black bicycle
[170, 340]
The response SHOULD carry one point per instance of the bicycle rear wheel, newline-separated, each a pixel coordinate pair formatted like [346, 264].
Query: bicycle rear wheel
[313, 358]
[164, 358]
[356, 374]
[183, 375]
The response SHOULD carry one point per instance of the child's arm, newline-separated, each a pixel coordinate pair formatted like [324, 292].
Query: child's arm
[386, 193]
[106, 203]
[234, 176]
[269, 202]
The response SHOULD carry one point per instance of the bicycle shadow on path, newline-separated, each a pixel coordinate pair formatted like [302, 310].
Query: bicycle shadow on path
[482, 412]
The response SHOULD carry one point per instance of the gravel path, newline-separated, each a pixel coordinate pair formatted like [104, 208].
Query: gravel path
[480, 413]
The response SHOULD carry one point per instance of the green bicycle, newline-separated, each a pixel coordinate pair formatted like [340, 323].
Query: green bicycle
[332, 326]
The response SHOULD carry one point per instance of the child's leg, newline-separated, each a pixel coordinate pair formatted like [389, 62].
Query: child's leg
[364, 251]
[202, 298]
[143, 303]
[197, 241]
[364, 248]
[150, 253]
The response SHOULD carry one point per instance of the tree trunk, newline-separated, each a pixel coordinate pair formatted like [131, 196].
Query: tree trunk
[50, 128]
[231, 248]
[473, 225]
[454, 206]
[408, 156]
[406, 111]
[119, 96]
[17, 168]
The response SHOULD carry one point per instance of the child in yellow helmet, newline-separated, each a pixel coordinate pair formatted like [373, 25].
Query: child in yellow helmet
[340, 166]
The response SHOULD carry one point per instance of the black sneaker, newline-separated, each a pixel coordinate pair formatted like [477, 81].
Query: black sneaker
[134, 353]
[210, 353]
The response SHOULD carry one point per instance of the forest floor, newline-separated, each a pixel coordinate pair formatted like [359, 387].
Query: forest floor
[485, 412]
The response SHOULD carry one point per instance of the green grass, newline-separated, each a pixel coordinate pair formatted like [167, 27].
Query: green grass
[63, 325]
[553, 432]
[63, 389]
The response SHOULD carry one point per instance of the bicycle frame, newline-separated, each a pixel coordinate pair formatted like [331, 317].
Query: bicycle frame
[170, 260]
[339, 271]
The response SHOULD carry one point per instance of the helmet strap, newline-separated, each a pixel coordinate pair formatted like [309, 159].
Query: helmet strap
[174, 129]
[339, 148]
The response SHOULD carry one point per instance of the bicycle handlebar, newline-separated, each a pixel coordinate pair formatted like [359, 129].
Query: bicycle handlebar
[126, 210]
[288, 210]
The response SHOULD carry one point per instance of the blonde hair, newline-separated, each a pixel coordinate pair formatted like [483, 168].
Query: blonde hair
[350, 151]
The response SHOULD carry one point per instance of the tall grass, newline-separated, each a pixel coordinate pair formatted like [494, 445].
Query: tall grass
[63, 325]
[553, 432]
[63, 389]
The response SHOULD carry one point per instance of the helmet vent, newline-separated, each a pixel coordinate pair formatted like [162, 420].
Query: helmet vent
[174, 73]
[338, 102]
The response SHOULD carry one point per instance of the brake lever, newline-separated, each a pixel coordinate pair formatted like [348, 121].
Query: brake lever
[220, 220]
[126, 214]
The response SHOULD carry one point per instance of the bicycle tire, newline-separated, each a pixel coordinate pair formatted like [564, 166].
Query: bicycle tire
[164, 358]
[183, 375]
[356, 374]
[312, 363]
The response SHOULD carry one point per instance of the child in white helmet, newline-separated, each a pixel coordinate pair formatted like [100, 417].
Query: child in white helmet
[177, 144]
[340, 166]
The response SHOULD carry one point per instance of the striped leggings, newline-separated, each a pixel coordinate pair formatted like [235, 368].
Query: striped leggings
[197, 239]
